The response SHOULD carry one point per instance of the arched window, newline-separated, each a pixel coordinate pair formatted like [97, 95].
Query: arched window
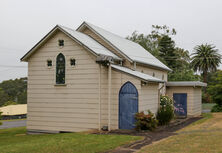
[60, 69]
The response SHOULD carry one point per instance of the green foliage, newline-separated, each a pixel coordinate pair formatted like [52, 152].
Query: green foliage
[3, 97]
[13, 90]
[216, 108]
[205, 59]
[183, 75]
[160, 44]
[9, 103]
[166, 111]
[146, 121]
[215, 88]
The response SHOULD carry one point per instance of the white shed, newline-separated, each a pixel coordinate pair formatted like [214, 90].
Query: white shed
[187, 97]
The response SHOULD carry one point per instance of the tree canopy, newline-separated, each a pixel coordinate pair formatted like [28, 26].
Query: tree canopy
[13, 90]
[161, 44]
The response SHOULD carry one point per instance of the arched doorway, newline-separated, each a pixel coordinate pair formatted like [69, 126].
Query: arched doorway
[128, 106]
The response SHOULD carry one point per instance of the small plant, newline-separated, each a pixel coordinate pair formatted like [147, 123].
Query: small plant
[146, 121]
[166, 110]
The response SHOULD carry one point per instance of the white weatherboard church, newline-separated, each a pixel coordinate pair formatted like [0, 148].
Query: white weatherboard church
[90, 78]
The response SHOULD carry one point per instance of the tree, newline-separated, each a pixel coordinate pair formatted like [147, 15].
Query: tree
[167, 50]
[3, 97]
[205, 59]
[160, 43]
[16, 90]
[9, 103]
[215, 91]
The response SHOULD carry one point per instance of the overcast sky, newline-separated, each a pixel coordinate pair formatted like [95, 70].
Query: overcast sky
[24, 22]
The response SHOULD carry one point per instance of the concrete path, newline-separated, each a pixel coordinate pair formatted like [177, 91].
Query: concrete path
[12, 124]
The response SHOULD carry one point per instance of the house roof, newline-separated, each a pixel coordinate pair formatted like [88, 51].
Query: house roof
[186, 83]
[137, 74]
[130, 49]
[14, 109]
[83, 39]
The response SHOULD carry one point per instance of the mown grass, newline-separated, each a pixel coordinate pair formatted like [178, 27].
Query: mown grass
[202, 136]
[15, 140]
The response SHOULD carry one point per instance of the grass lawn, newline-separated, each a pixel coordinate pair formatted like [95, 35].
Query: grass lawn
[15, 140]
[202, 136]
[207, 105]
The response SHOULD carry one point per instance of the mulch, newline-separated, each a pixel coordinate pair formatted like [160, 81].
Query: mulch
[150, 136]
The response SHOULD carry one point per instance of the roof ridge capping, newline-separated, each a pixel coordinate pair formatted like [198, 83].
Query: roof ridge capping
[131, 50]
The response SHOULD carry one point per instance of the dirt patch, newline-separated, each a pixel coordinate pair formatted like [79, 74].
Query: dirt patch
[150, 137]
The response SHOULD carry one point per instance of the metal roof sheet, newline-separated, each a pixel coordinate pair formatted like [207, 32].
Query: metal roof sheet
[138, 74]
[131, 49]
[89, 42]
[186, 83]
[81, 38]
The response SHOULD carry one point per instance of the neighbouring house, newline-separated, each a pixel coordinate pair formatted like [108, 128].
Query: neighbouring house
[90, 78]
[14, 111]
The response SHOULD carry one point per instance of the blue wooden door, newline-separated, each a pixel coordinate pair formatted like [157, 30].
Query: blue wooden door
[128, 106]
[180, 104]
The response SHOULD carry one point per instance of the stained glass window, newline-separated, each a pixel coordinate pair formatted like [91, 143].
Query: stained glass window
[60, 69]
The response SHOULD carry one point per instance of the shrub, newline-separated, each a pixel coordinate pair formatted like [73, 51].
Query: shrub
[146, 121]
[216, 108]
[166, 110]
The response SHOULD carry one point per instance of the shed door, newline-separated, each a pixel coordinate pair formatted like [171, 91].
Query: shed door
[180, 104]
[128, 106]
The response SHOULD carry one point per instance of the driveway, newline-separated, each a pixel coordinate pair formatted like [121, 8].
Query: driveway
[12, 124]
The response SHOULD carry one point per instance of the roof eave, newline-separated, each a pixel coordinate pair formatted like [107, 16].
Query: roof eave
[25, 57]
[167, 69]
[57, 27]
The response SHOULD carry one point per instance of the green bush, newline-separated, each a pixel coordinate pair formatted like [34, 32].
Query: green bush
[216, 108]
[146, 121]
[166, 110]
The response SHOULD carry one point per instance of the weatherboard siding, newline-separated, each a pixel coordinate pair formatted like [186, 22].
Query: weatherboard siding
[193, 98]
[148, 98]
[73, 107]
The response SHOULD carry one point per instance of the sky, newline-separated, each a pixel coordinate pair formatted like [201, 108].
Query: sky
[23, 23]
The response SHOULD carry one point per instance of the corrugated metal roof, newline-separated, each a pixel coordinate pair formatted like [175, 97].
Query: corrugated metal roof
[14, 109]
[138, 74]
[131, 49]
[82, 38]
[89, 42]
[186, 83]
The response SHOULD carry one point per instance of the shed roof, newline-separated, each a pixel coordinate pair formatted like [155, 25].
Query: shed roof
[186, 83]
[81, 38]
[137, 74]
[132, 50]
